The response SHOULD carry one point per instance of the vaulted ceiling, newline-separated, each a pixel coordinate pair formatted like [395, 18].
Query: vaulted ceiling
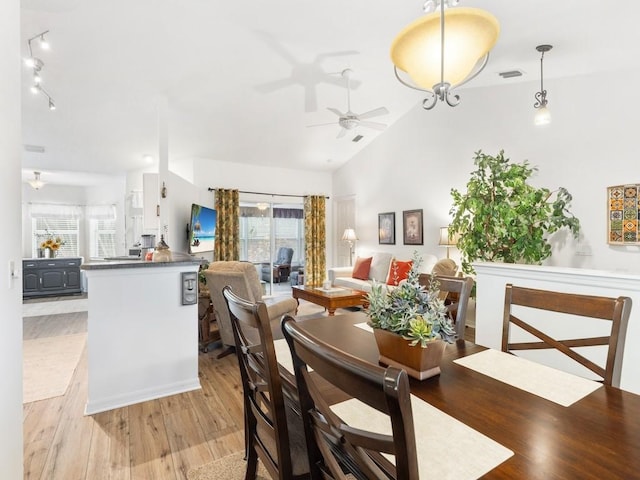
[241, 81]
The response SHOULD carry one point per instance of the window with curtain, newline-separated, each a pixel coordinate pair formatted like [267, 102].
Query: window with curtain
[102, 231]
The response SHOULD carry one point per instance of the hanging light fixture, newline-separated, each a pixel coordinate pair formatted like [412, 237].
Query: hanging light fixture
[36, 183]
[543, 115]
[444, 49]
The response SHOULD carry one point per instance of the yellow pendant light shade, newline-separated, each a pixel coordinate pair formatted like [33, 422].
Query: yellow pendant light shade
[470, 33]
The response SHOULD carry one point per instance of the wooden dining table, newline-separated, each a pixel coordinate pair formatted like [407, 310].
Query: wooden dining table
[597, 437]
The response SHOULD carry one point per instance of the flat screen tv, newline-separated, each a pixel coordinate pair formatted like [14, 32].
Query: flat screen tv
[202, 229]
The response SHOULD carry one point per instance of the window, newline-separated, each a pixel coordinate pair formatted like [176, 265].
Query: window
[102, 231]
[65, 228]
[255, 233]
[102, 238]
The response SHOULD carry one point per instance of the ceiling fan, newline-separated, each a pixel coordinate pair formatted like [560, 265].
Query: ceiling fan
[350, 120]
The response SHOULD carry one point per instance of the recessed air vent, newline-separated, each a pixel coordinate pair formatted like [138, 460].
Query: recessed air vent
[34, 148]
[511, 74]
[357, 138]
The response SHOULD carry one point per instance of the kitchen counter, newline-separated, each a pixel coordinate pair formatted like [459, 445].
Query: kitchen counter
[142, 340]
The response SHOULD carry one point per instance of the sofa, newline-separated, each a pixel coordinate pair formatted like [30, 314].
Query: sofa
[382, 269]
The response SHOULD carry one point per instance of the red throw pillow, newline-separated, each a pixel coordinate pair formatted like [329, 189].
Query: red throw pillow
[361, 268]
[398, 271]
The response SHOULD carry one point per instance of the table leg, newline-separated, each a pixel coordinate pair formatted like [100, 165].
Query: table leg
[332, 311]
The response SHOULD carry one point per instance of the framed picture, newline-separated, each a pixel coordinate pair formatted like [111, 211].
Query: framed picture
[387, 228]
[623, 224]
[412, 227]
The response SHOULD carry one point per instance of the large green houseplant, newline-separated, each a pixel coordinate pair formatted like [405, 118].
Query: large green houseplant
[501, 217]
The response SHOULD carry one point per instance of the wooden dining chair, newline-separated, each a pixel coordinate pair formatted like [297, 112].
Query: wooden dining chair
[456, 306]
[336, 448]
[274, 432]
[615, 310]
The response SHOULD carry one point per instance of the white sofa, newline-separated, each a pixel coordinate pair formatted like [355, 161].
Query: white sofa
[379, 271]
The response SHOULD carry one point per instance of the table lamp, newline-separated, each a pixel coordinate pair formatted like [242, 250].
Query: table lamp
[446, 241]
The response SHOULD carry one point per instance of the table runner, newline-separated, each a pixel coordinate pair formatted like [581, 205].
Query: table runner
[555, 385]
[446, 447]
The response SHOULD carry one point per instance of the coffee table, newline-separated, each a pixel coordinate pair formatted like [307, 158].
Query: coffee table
[330, 299]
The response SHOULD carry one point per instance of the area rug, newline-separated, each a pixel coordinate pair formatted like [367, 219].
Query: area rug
[231, 467]
[48, 365]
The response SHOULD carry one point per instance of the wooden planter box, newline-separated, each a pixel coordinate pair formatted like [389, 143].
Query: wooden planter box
[419, 362]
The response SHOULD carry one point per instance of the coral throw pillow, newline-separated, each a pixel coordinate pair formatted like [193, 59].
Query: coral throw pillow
[361, 268]
[398, 271]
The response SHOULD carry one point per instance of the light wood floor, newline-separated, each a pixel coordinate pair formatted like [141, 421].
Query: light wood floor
[156, 440]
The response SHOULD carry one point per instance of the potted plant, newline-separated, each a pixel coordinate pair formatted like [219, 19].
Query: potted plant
[502, 218]
[410, 324]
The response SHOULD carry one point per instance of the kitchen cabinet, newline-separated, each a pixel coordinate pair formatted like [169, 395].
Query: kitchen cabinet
[50, 276]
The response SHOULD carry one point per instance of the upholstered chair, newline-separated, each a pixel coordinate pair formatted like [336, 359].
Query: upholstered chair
[243, 279]
[281, 266]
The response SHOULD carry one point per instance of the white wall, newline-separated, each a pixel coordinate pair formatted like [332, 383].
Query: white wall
[10, 290]
[588, 146]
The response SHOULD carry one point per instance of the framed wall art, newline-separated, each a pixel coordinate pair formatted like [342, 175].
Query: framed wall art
[624, 211]
[387, 228]
[412, 227]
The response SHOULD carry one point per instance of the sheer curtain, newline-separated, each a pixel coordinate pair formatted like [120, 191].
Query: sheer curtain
[315, 239]
[227, 204]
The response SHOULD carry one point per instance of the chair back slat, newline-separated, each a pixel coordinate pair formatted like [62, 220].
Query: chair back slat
[458, 308]
[333, 445]
[615, 310]
[267, 428]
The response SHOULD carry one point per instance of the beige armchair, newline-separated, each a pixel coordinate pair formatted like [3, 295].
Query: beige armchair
[243, 279]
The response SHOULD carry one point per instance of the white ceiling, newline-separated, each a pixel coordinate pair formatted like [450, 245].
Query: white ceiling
[242, 80]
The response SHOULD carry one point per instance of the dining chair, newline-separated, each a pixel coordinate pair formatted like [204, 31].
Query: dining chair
[334, 447]
[615, 310]
[273, 425]
[457, 307]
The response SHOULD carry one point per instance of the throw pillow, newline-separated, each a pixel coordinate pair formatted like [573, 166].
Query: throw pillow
[398, 271]
[361, 268]
[379, 270]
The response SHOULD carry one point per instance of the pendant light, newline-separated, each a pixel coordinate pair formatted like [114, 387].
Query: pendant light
[543, 116]
[444, 49]
[36, 183]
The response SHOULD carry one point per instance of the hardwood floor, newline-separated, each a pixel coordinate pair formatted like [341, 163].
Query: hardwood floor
[155, 440]
[160, 439]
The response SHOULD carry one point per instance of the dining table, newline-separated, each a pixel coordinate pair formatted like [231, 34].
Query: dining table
[597, 436]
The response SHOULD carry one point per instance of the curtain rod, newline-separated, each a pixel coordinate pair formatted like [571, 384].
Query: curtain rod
[270, 194]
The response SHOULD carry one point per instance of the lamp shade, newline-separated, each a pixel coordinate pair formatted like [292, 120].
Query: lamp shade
[349, 235]
[470, 33]
[445, 240]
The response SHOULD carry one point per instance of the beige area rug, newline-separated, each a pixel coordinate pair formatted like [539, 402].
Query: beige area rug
[54, 308]
[231, 467]
[48, 365]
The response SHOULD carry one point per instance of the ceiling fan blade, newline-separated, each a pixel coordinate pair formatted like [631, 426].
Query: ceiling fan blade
[321, 124]
[375, 125]
[342, 133]
[373, 113]
[336, 111]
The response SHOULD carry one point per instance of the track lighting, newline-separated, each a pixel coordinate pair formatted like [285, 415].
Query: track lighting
[36, 64]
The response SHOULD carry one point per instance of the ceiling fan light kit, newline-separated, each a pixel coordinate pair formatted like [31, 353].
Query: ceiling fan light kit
[444, 49]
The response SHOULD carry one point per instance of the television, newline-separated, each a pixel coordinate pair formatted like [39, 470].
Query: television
[202, 229]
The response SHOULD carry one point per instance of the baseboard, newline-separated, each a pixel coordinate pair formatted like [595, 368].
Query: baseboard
[118, 401]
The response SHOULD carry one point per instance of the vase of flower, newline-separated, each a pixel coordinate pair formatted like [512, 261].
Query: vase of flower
[420, 363]
[410, 324]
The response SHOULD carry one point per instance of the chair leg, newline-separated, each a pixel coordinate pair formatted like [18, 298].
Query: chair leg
[225, 352]
[252, 464]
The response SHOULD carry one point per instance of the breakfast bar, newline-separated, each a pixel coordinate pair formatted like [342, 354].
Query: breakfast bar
[142, 331]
